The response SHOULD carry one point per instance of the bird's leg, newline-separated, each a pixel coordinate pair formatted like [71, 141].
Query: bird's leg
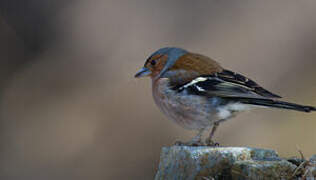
[195, 141]
[197, 138]
[209, 140]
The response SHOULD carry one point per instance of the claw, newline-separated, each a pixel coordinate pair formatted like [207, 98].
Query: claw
[210, 142]
[216, 144]
[178, 143]
[190, 143]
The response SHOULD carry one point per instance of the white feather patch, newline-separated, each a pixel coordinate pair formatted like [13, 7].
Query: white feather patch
[199, 88]
[194, 81]
[238, 107]
[226, 111]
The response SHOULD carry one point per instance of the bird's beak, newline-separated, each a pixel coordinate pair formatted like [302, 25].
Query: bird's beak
[143, 72]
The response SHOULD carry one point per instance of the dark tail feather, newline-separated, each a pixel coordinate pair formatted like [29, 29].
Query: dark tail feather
[276, 104]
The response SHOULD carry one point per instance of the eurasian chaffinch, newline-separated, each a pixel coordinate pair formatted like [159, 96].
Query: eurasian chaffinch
[197, 93]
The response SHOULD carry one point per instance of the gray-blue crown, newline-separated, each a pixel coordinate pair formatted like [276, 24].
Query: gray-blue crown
[173, 55]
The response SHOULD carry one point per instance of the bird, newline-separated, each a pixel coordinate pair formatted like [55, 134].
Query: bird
[197, 93]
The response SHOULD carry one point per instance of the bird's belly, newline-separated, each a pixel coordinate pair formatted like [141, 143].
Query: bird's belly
[189, 111]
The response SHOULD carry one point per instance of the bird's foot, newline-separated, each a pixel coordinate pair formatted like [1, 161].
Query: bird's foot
[189, 143]
[210, 142]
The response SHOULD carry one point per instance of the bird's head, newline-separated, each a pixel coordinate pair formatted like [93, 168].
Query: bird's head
[160, 62]
[177, 64]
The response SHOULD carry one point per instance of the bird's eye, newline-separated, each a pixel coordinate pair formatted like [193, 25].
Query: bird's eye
[153, 62]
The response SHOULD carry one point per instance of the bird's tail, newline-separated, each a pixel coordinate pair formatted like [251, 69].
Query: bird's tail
[276, 104]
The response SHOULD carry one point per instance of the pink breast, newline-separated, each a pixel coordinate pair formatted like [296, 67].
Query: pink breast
[185, 111]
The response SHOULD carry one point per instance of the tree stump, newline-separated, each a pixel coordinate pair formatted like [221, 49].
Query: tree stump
[203, 162]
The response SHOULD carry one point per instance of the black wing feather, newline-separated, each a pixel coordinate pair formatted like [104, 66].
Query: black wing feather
[225, 84]
[237, 88]
[273, 103]
[233, 77]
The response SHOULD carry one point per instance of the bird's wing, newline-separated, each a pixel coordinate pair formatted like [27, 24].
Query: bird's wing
[226, 84]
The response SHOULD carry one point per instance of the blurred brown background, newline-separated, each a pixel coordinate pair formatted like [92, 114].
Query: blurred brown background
[71, 109]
